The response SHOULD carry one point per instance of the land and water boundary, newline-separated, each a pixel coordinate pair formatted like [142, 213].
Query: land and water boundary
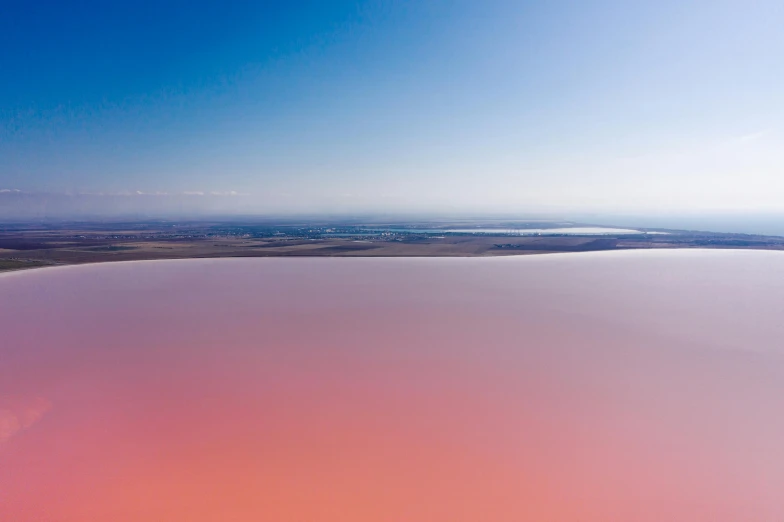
[25, 245]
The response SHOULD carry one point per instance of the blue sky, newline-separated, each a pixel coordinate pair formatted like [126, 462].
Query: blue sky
[493, 106]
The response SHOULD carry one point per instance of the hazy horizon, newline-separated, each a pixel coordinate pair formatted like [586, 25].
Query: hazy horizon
[20, 207]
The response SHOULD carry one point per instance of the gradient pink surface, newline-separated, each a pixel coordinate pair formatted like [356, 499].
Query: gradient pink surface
[595, 387]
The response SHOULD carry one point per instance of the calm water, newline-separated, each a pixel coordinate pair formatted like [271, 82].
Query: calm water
[595, 387]
[587, 231]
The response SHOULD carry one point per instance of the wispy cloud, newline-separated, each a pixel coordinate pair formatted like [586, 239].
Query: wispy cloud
[10, 191]
[229, 193]
[754, 136]
[187, 193]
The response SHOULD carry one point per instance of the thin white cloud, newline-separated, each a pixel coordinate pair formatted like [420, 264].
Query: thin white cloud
[10, 191]
[141, 193]
[229, 193]
[754, 136]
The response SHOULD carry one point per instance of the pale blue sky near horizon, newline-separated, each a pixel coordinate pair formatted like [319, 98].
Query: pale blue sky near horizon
[401, 106]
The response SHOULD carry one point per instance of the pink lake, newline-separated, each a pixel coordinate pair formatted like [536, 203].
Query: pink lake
[631, 386]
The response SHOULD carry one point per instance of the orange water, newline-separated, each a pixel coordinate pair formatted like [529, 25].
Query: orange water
[589, 387]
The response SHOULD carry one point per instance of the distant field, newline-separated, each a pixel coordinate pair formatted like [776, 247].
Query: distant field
[16, 264]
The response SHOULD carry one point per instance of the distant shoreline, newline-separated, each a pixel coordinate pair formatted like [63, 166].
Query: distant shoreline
[31, 246]
[47, 267]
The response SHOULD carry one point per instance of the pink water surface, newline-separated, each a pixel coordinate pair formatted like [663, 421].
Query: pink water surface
[635, 386]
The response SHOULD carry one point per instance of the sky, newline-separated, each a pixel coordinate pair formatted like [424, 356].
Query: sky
[404, 106]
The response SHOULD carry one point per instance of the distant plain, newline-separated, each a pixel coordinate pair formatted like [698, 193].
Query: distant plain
[30, 245]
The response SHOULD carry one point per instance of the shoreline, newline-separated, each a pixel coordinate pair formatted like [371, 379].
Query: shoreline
[628, 251]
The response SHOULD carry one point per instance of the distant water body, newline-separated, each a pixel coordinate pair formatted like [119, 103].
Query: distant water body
[574, 231]
[562, 231]
[613, 386]
[737, 223]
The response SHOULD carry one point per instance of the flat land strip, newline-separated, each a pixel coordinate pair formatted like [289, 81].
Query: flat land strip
[30, 245]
